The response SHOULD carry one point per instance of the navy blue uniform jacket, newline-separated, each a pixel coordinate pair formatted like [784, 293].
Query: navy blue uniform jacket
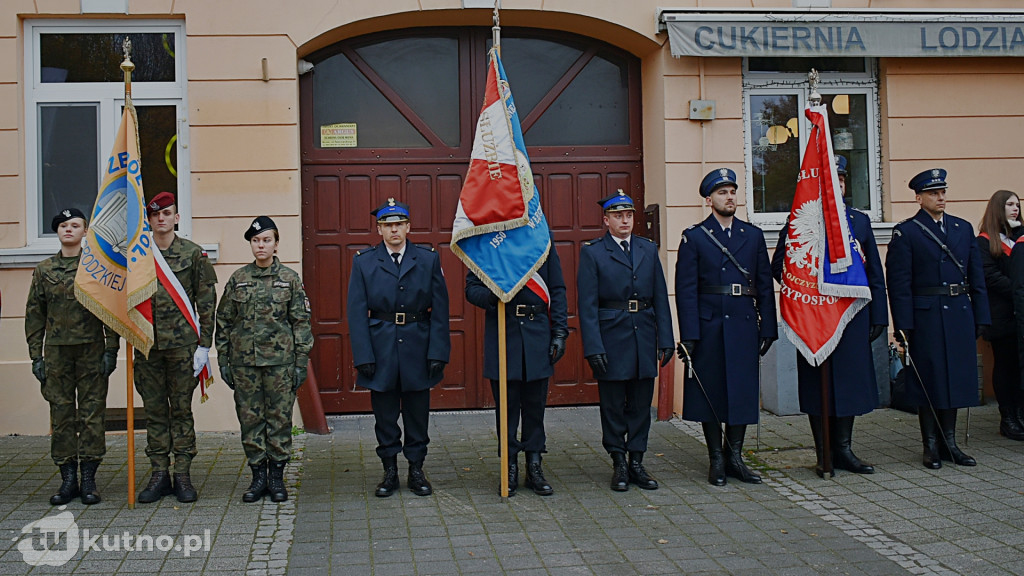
[942, 345]
[853, 391]
[630, 339]
[527, 338]
[727, 328]
[400, 352]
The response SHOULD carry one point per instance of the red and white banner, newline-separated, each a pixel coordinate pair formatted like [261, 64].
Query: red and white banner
[170, 282]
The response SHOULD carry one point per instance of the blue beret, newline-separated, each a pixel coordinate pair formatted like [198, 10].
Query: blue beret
[259, 225]
[617, 202]
[934, 179]
[392, 211]
[840, 165]
[716, 179]
[65, 215]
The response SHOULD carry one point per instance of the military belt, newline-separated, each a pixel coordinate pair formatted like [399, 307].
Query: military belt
[627, 305]
[527, 309]
[400, 318]
[951, 290]
[729, 289]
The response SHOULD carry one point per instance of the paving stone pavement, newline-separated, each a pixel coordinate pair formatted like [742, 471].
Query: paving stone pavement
[902, 520]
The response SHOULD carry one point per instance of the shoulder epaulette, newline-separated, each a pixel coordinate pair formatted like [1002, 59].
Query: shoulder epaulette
[645, 238]
[363, 251]
[592, 242]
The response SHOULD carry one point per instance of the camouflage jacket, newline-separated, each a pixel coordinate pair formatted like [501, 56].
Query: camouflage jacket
[193, 269]
[52, 312]
[263, 318]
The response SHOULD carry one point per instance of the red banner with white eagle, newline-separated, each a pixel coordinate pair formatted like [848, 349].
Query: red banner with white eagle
[824, 283]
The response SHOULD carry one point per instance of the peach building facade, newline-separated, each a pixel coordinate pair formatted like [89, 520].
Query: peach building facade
[239, 115]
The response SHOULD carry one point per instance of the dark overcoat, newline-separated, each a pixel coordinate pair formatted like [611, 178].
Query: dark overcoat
[528, 337]
[852, 392]
[399, 352]
[727, 328]
[999, 288]
[942, 344]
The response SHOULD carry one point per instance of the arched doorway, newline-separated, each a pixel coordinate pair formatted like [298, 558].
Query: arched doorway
[392, 115]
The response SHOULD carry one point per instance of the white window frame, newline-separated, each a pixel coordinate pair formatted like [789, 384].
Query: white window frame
[110, 97]
[778, 83]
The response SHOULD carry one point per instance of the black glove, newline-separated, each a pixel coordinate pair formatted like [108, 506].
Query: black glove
[367, 370]
[766, 343]
[599, 364]
[435, 368]
[557, 348]
[981, 331]
[685, 348]
[109, 361]
[300, 377]
[876, 331]
[225, 375]
[903, 336]
[664, 356]
[39, 370]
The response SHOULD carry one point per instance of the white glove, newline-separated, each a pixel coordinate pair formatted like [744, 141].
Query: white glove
[200, 359]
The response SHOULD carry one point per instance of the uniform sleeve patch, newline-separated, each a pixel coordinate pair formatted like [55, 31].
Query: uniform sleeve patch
[280, 284]
[241, 284]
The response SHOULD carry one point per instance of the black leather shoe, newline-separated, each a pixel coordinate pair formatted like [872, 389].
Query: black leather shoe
[620, 472]
[183, 488]
[716, 468]
[734, 465]
[90, 495]
[417, 481]
[930, 438]
[1009, 426]
[513, 478]
[389, 483]
[258, 488]
[68, 485]
[948, 450]
[158, 487]
[275, 471]
[638, 474]
[535, 476]
[843, 457]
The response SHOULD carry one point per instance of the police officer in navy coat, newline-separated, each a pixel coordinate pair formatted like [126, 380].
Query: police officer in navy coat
[940, 304]
[535, 333]
[726, 310]
[851, 392]
[626, 327]
[398, 327]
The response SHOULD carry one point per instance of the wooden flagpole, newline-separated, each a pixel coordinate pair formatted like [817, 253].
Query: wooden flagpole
[502, 340]
[127, 66]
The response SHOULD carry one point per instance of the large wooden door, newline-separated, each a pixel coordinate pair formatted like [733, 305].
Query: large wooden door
[415, 147]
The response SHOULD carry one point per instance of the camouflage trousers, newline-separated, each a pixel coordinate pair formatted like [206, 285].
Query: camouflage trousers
[166, 384]
[263, 402]
[75, 372]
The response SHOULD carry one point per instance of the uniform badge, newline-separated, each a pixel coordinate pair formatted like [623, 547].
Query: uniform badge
[66, 213]
[256, 225]
[391, 201]
[724, 172]
[306, 300]
[935, 173]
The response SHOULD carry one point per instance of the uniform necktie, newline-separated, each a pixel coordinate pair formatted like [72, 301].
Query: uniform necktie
[396, 255]
[728, 232]
[625, 248]
[942, 227]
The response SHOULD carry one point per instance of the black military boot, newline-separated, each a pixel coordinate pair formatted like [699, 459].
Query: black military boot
[513, 478]
[638, 474]
[535, 476]
[819, 467]
[389, 483]
[620, 472]
[843, 457]
[159, 486]
[417, 480]
[929, 437]
[948, 450]
[258, 488]
[278, 493]
[68, 484]
[90, 495]
[1009, 424]
[183, 487]
[713, 437]
[734, 466]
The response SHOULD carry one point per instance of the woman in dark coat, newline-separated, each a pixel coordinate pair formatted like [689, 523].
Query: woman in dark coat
[999, 228]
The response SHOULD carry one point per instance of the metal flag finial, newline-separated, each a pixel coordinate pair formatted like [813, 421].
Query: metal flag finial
[496, 29]
[812, 80]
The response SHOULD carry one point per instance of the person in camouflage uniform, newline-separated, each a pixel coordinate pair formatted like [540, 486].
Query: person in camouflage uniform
[263, 344]
[167, 379]
[73, 354]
